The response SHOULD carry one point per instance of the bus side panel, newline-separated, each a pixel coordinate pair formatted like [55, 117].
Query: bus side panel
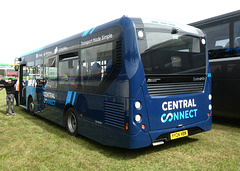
[116, 116]
[119, 128]
[225, 90]
[104, 119]
[50, 104]
[90, 115]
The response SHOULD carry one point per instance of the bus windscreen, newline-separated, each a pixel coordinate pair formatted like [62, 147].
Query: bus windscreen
[173, 54]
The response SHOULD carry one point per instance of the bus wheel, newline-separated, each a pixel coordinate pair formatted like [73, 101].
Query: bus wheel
[31, 106]
[71, 122]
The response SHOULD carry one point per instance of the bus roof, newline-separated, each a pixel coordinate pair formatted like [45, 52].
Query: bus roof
[213, 20]
[119, 21]
[183, 27]
[82, 34]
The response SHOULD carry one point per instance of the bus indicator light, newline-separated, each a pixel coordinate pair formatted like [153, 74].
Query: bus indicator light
[208, 114]
[143, 126]
[126, 127]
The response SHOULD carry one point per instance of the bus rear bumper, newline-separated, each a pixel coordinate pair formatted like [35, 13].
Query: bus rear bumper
[157, 137]
[120, 138]
[161, 136]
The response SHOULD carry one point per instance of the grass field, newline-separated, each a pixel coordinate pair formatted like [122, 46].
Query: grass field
[32, 143]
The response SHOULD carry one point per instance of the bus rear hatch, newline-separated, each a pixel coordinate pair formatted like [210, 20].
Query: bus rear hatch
[176, 110]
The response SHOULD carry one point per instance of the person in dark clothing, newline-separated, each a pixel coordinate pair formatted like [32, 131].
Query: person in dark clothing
[9, 86]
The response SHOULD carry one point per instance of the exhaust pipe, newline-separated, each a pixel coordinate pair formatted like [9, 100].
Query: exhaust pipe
[158, 143]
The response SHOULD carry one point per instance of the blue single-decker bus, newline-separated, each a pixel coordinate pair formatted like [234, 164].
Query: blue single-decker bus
[128, 83]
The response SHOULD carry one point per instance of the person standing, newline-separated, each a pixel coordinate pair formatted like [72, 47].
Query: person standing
[9, 86]
[16, 90]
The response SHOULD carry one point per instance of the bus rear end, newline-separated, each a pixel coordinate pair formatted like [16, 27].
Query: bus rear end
[174, 99]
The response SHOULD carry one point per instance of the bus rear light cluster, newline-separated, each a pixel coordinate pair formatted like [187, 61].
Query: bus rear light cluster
[210, 107]
[210, 97]
[138, 118]
[138, 105]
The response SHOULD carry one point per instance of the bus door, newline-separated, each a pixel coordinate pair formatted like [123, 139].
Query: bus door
[22, 84]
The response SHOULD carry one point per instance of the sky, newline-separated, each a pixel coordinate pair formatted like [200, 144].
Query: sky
[26, 25]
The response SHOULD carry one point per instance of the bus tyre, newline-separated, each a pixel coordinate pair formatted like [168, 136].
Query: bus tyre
[31, 106]
[71, 122]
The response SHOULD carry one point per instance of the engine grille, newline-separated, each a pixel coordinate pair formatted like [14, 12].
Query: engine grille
[114, 114]
[165, 89]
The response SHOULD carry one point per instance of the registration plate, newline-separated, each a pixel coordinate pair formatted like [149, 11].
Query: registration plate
[179, 134]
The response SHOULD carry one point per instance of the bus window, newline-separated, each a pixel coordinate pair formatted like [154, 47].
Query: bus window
[173, 55]
[34, 73]
[218, 41]
[51, 72]
[237, 36]
[96, 63]
[69, 71]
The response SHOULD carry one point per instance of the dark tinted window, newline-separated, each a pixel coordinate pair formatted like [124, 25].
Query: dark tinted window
[218, 41]
[237, 34]
[35, 73]
[218, 37]
[96, 64]
[51, 72]
[173, 54]
[69, 71]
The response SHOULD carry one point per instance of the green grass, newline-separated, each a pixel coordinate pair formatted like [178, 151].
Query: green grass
[32, 143]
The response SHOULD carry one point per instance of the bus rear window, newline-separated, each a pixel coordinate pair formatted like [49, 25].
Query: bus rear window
[168, 53]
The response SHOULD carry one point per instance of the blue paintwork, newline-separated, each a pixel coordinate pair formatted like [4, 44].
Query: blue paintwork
[130, 86]
[92, 30]
[74, 96]
[69, 96]
[85, 33]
